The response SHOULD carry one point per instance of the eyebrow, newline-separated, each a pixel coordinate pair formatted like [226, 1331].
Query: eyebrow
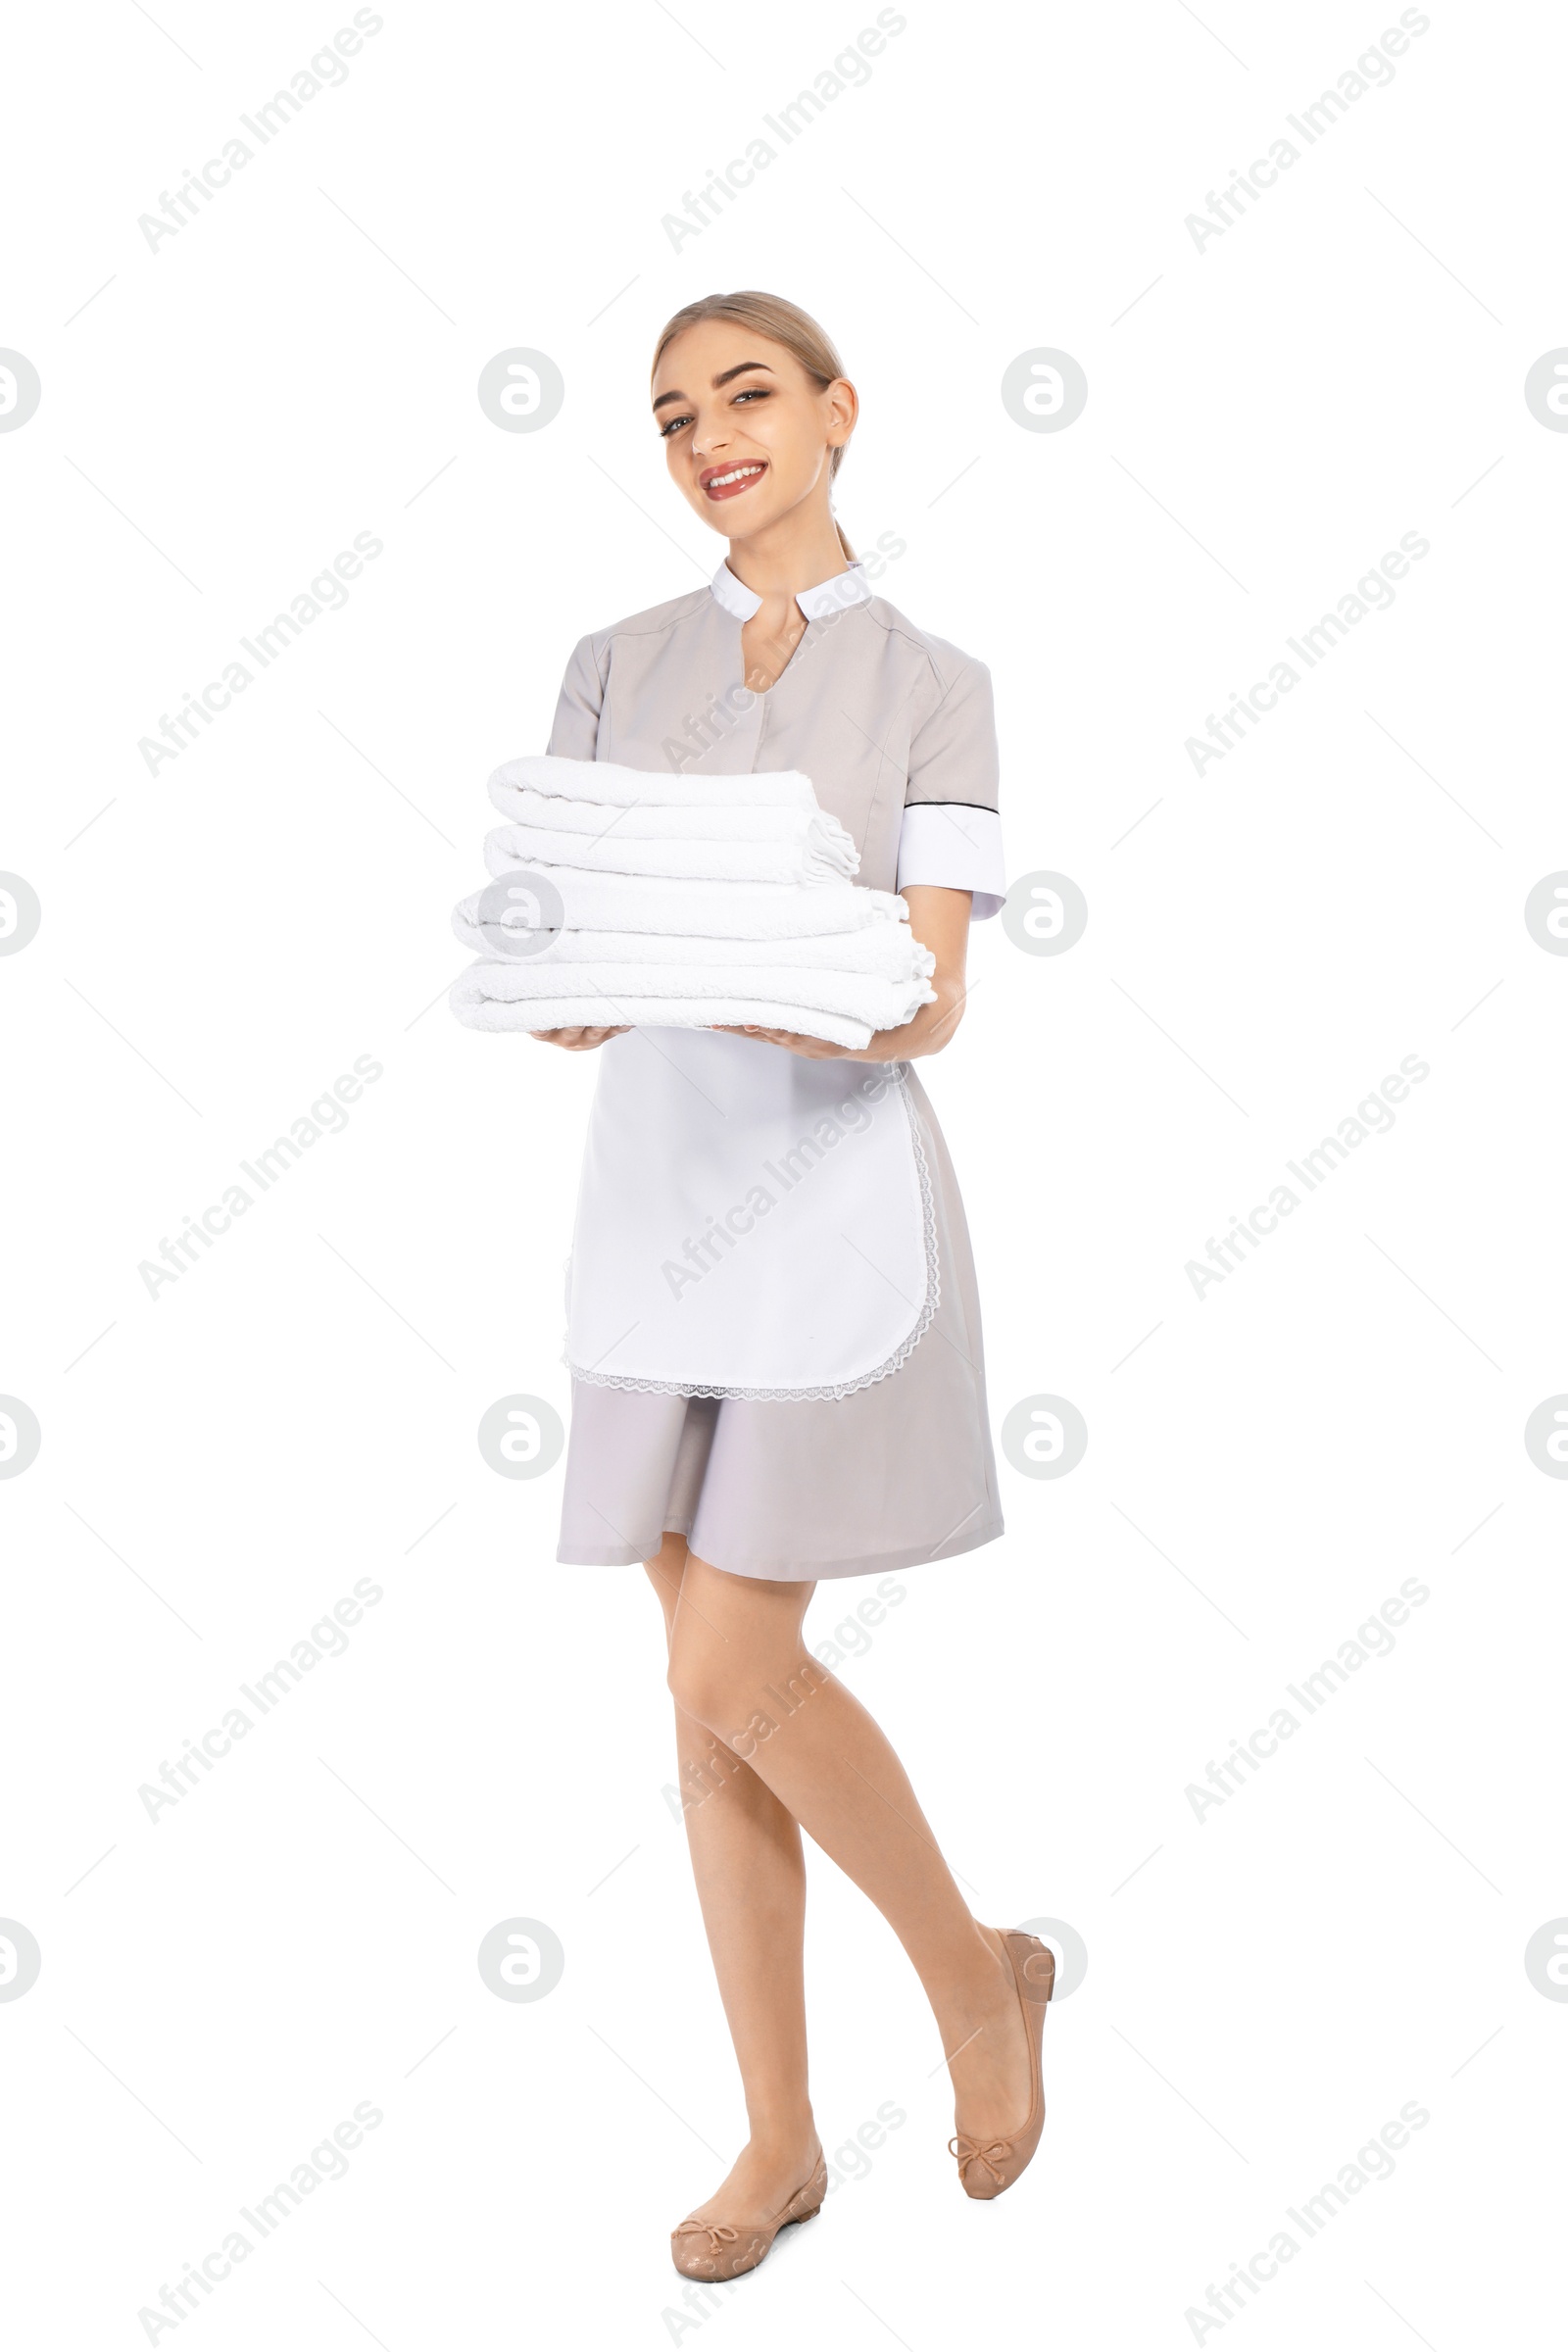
[665, 398]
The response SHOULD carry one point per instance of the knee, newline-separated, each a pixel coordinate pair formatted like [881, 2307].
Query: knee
[734, 1648]
[740, 1699]
[698, 1682]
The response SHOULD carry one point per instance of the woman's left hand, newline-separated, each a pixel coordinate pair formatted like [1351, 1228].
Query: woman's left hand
[940, 920]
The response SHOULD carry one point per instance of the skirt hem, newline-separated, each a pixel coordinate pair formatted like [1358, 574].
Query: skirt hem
[795, 1572]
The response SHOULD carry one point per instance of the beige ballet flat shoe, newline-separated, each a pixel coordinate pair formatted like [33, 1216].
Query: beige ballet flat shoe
[987, 2167]
[715, 2251]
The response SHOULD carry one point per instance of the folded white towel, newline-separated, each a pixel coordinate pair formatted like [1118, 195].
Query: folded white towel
[853, 996]
[599, 822]
[477, 1009]
[609, 785]
[674, 1012]
[704, 909]
[883, 951]
[821, 851]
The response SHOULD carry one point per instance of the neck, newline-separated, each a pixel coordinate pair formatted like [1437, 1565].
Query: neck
[799, 551]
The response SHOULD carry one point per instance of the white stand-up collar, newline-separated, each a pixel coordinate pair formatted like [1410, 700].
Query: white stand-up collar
[851, 587]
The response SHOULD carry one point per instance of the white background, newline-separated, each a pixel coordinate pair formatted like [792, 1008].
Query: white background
[1266, 1986]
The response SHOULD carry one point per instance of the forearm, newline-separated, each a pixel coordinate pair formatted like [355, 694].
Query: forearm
[931, 1029]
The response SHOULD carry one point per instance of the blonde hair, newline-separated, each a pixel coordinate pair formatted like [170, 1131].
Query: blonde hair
[783, 322]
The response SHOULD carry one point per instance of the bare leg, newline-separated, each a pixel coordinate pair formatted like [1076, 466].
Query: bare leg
[738, 1667]
[751, 1882]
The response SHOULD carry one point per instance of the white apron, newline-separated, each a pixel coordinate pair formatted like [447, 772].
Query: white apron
[750, 1223]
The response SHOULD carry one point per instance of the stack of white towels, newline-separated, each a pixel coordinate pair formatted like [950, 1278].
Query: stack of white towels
[626, 899]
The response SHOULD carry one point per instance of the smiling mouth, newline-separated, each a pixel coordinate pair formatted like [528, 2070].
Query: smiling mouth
[734, 479]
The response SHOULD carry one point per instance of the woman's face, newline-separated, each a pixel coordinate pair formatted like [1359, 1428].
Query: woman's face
[747, 433]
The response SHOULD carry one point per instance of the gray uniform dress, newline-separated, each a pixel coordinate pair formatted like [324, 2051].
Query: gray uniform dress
[896, 730]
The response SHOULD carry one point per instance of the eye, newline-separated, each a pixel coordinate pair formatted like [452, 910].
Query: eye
[754, 392]
[672, 427]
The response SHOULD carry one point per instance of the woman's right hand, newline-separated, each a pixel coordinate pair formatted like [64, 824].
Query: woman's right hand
[576, 1040]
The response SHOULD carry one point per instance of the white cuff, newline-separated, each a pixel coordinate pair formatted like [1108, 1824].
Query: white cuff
[952, 845]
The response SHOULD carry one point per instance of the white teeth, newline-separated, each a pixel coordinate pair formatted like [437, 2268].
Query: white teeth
[739, 474]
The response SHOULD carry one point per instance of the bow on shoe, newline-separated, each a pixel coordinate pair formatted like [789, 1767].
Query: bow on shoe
[718, 2231]
[992, 2154]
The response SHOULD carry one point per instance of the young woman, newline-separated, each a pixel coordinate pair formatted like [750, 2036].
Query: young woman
[839, 1427]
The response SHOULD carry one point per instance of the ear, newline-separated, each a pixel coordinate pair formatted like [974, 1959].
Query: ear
[842, 408]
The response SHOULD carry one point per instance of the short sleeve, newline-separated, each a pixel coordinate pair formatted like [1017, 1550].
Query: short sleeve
[951, 836]
[575, 732]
